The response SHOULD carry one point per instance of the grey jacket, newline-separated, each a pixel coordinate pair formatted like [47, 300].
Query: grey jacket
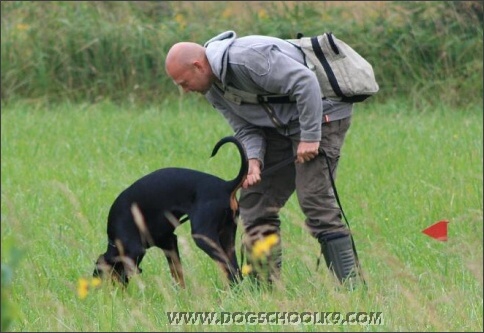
[268, 65]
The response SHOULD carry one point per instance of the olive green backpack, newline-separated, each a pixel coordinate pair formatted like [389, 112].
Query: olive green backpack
[343, 74]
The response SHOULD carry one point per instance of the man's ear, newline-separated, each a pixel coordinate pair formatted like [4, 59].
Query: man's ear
[198, 65]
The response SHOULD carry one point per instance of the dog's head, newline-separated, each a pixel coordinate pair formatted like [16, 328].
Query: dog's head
[118, 270]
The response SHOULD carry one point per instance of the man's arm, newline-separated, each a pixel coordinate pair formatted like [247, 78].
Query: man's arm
[253, 176]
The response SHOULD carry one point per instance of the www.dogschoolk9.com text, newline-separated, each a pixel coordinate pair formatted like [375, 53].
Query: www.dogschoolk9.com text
[275, 318]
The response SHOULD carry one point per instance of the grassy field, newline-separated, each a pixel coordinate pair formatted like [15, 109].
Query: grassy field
[404, 167]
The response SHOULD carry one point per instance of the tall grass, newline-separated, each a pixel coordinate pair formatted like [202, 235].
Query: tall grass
[91, 51]
[403, 168]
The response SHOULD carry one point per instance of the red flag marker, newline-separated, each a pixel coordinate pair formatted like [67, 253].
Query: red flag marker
[437, 231]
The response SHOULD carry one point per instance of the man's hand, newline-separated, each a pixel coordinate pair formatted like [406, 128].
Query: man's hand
[253, 176]
[306, 151]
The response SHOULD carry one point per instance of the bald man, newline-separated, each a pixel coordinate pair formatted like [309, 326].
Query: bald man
[229, 71]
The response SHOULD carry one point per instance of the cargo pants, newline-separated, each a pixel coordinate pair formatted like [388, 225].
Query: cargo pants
[260, 204]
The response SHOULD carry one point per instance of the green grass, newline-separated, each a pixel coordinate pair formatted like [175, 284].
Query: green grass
[403, 168]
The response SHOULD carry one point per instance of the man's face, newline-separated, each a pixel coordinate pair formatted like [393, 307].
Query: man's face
[192, 79]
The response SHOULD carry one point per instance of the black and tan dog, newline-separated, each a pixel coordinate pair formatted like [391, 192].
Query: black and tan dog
[147, 213]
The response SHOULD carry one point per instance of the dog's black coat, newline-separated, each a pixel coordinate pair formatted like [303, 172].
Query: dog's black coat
[163, 198]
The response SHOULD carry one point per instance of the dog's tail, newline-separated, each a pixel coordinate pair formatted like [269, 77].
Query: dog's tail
[244, 164]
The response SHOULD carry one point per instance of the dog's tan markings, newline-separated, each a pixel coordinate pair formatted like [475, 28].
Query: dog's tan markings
[218, 250]
[234, 203]
[103, 266]
[172, 219]
[128, 263]
[175, 267]
[140, 223]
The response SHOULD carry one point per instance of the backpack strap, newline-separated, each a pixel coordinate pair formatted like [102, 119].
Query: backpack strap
[239, 96]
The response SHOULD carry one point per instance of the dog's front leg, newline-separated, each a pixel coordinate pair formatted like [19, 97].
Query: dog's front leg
[175, 267]
[170, 249]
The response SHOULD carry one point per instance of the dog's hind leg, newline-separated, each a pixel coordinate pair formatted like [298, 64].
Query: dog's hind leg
[172, 254]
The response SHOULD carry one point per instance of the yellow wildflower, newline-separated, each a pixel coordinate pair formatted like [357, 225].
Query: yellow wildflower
[227, 13]
[180, 19]
[262, 14]
[82, 288]
[22, 26]
[272, 239]
[246, 269]
[96, 282]
[84, 284]
[262, 247]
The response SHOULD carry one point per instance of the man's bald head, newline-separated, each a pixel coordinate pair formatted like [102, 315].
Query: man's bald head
[183, 54]
[187, 64]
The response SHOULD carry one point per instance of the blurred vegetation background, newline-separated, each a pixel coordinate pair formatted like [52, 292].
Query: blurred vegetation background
[97, 50]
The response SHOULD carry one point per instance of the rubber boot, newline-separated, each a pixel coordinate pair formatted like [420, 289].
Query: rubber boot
[340, 258]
